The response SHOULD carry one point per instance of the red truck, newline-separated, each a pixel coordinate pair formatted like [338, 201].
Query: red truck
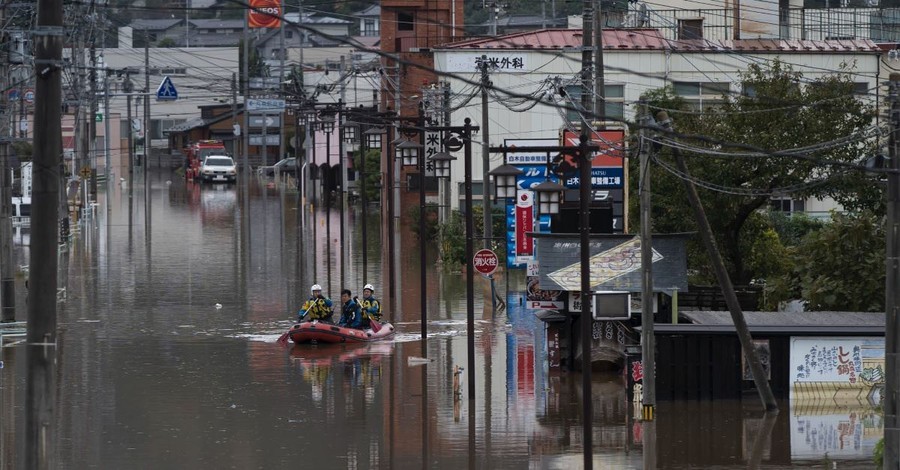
[199, 150]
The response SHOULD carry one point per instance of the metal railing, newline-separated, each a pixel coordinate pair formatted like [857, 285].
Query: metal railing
[818, 24]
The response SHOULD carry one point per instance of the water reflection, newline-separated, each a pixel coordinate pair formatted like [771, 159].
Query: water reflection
[152, 374]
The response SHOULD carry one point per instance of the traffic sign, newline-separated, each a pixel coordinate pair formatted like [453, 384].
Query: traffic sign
[485, 262]
[166, 90]
[29, 96]
[85, 172]
[98, 117]
[265, 105]
[13, 94]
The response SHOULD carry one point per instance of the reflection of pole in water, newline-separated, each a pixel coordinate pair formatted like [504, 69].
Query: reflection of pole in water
[649, 444]
[7, 409]
[763, 436]
[425, 420]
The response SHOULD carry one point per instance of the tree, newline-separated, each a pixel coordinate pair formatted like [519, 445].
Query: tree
[256, 65]
[167, 42]
[373, 172]
[838, 267]
[775, 111]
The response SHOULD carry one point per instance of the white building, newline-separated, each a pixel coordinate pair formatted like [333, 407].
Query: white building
[635, 61]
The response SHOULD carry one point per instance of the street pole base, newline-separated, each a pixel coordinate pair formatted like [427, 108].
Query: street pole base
[648, 412]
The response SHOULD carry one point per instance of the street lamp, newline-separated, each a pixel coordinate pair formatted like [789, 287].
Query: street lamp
[505, 181]
[442, 162]
[549, 196]
[408, 153]
[373, 137]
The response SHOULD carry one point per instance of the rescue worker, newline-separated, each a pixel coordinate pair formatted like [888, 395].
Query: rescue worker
[318, 307]
[371, 308]
[351, 315]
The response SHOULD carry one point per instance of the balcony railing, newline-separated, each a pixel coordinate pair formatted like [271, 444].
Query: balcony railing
[877, 24]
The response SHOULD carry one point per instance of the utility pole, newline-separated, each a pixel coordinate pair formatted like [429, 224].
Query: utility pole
[106, 141]
[342, 165]
[737, 316]
[7, 260]
[486, 199]
[892, 294]
[446, 181]
[648, 340]
[234, 122]
[584, 184]
[92, 118]
[40, 347]
[146, 128]
[599, 86]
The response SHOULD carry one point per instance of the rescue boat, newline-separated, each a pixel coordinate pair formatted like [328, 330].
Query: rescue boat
[320, 332]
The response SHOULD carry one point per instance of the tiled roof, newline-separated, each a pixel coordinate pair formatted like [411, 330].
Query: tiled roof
[374, 10]
[218, 24]
[652, 39]
[154, 25]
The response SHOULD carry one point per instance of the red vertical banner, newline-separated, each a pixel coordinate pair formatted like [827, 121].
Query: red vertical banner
[264, 14]
[524, 223]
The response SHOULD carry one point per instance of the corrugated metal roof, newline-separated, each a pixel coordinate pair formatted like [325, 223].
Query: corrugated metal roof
[779, 45]
[154, 25]
[789, 319]
[652, 39]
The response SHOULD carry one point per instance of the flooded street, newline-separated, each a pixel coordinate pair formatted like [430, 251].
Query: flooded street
[168, 359]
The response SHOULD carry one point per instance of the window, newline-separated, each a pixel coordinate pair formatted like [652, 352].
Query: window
[699, 94]
[614, 105]
[690, 28]
[405, 22]
[788, 205]
[369, 28]
[173, 71]
[860, 88]
[158, 127]
[288, 34]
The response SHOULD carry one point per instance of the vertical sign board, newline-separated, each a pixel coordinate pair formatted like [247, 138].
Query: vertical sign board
[524, 224]
[432, 147]
[534, 172]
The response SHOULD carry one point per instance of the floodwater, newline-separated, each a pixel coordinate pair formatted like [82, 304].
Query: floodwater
[152, 373]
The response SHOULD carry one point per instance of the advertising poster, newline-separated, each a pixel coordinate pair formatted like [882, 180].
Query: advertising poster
[843, 370]
[537, 299]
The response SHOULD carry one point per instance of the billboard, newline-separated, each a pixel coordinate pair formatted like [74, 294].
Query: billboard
[837, 368]
[264, 14]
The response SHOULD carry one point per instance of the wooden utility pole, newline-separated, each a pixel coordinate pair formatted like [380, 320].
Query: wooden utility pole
[7, 256]
[648, 339]
[892, 293]
[145, 162]
[737, 316]
[584, 184]
[40, 348]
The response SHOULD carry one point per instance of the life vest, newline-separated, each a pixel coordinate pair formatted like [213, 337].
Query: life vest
[368, 303]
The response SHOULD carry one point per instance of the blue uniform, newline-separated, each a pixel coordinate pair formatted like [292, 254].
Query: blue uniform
[351, 315]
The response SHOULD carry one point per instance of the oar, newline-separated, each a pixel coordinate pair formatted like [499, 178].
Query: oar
[376, 327]
[282, 340]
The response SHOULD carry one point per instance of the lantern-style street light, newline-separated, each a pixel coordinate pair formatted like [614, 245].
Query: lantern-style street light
[549, 197]
[407, 152]
[505, 181]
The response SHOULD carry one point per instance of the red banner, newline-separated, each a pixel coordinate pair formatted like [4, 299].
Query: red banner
[524, 222]
[264, 14]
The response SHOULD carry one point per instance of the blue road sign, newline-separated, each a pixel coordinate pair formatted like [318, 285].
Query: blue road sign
[166, 90]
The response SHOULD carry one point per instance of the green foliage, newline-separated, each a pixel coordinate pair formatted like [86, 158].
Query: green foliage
[373, 173]
[23, 150]
[431, 220]
[878, 456]
[778, 113]
[792, 228]
[453, 235]
[838, 267]
[167, 42]
[256, 66]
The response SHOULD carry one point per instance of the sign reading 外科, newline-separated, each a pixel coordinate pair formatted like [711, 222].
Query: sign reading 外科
[511, 61]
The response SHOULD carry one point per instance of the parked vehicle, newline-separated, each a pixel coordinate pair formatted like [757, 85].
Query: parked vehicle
[217, 168]
[197, 152]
